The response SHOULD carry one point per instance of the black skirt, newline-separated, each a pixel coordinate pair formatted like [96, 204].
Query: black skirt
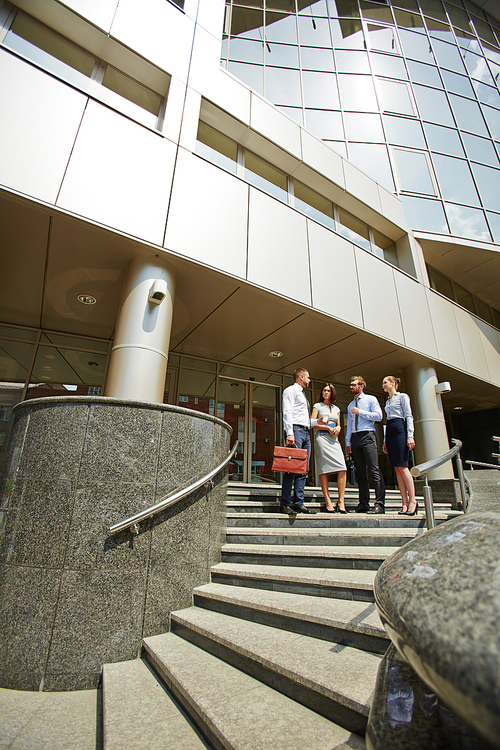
[395, 441]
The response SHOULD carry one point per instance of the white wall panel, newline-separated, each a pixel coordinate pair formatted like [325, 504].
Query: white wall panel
[277, 248]
[361, 186]
[391, 207]
[333, 275]
[275, 126]
[490, 339]
[379, 300]
[449, 345]
[322, 158]
[470, 336]
[415, 315]
[175, 110]
[157, 30]
[229, 94]
[207, 220]
[38, 125]
[211, 16]
[119, 174]
[98, 12]
[205, 60]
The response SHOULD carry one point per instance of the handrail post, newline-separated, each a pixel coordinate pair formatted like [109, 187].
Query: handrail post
[429, 507]
[461, 479]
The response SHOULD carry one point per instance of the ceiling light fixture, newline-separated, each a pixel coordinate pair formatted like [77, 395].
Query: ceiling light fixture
[276, 353]
[87, 299]
[458, 408]
[93, 364]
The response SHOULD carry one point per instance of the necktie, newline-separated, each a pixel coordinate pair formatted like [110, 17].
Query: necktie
[356, 416]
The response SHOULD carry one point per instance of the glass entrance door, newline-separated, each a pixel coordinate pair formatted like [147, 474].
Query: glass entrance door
[253, 411]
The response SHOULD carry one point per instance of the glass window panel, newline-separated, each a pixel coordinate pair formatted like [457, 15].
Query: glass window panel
[477, 67]
[440, 283]
[468, 115]
[487, 94]
[352, 62]
[424, 214]
[407, 4]
[385, 248]
[455, 180]
[414, 172]
[216, 147]
[15, 359]
[283, 55]
[314, 32]
[433, 8]
[376, 11]
[457, 84]
[388, 66]
[439, 30]
[433, 105]
[492, 117]
[283, 86]
[373, 160]
[312, 9]
[252, 75]
[320, 90]
[363, 127]
[448, 56]
[246, 50]
[354, 230]
[315, 58]
[480, 149]
[247, 23]
[408, 20]
[494, 222]
[484, 30]
[459, 18]
[348, 8]
[403, 132]
[263, 175]
[382, 38]
[296, 114]
[463, 297]
[324, 124]
[396, 97]
[281, 28]
[467, 222]
[347, 34]
[483, 310]
[358, 93]
[495, 69]
[492, 53]
[132, 90]
[488, 182]
[288, 5]
[313, 204]
[49, 50]
[339, 146]
[199, 364]
[426, 74]
[59, 366]
[445, 140]
[467, 41]
[196, 389]
[416, 46]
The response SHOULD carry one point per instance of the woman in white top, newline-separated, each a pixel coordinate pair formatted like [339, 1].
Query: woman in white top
[399, 441]
[329, 456]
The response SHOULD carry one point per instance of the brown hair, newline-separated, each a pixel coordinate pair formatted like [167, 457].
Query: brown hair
[361, 380]
[395, 380]
[333, 396]
[298, 372]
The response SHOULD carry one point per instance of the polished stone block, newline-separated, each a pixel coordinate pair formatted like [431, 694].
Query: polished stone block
[74, 596]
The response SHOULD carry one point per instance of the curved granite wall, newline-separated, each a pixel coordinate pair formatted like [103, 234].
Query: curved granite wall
[71, 595]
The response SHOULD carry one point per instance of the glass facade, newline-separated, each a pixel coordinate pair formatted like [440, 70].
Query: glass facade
[406, 89]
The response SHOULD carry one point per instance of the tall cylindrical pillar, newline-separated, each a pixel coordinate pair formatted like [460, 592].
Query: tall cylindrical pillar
[139, 357]
[431, 438]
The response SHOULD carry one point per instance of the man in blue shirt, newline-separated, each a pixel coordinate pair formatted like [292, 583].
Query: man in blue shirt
[361, 443]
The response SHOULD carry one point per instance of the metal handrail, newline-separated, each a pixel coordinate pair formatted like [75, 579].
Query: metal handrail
[423, 469]
[481, 463]
[132, 523]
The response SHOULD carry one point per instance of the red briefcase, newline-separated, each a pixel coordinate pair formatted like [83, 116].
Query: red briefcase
[290, 460]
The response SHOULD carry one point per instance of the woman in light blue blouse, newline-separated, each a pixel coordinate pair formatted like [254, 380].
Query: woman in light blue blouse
[399, 441]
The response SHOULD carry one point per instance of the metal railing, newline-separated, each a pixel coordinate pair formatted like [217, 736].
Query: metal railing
[424, 469]
[494, 455]
[133, 522]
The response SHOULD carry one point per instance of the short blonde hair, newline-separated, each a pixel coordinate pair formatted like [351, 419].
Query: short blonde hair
[361, 380]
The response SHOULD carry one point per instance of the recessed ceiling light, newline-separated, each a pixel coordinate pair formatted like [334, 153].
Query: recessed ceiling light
[87, 299]
[49, 356]
[276, 353]
[458, 408]
[93, 364]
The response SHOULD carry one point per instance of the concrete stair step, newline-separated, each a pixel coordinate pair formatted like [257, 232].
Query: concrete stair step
[317, 536]
[326, 520]
[337, 681]
[348, 557]
[326, 582]
[236, 711]
[138, 712]
[350, 623]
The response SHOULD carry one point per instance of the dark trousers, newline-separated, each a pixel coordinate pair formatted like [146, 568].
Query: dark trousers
[297, 481]
[365, 455]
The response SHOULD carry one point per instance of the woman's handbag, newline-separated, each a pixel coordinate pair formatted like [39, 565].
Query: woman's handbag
[290, 460]
[351, 471]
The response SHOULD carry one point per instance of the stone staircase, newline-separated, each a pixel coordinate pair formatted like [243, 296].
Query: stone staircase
[281, 649]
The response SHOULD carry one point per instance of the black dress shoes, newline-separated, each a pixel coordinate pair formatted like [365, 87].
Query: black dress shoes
[303, 509]
[377, 509]
[289, 511]
[362, 509]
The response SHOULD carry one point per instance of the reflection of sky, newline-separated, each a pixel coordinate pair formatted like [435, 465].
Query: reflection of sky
[467, 222]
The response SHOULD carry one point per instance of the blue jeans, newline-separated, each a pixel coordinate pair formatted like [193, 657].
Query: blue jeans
[297, 481]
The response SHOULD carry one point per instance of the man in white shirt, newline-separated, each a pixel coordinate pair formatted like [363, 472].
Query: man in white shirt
[297, 423]
[361, 443]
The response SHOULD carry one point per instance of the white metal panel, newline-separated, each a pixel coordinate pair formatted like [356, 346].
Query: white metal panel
[98, 12]
[470, 332]
[415, 315]
[119, 175]
[39, 121]
[207, 220]
[211, 17]
[490, 339]
[445, 327]
[357, 183]
[229, 94]
[322, 158]
[334, 276]
[205, 60]
[379, 300]
[275, 126]
[277, 248]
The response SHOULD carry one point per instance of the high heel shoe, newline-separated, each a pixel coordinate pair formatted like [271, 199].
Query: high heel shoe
[402, 512]
[329, 510]
[340, 510]
[413, 512]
